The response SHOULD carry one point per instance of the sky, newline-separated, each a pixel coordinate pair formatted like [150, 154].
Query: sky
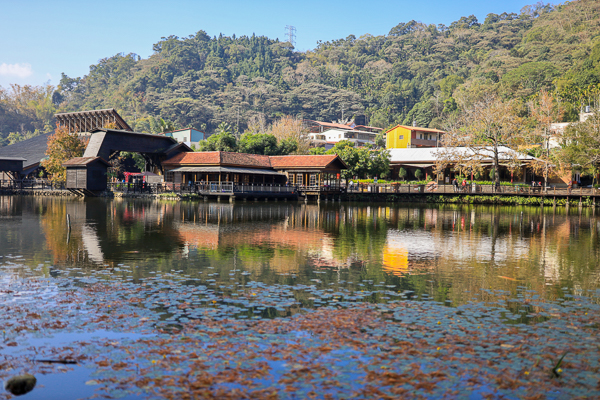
[40, 39]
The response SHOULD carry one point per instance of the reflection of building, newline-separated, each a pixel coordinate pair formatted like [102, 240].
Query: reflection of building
[283, 236]
[395, 258]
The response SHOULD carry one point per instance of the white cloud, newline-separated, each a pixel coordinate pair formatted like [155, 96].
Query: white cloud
[22, 70]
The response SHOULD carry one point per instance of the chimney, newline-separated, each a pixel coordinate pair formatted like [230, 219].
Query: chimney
[587, 109]
[414, 122]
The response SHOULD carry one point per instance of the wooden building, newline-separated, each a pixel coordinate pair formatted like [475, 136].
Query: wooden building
[33, 151]
[11, 167]
[86, 174]
[221, 166]
[310, 170]
[85, 122]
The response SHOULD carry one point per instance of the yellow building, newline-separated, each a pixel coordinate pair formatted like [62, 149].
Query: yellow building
[403, 137]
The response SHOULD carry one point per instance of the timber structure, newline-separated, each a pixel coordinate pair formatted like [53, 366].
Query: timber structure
[85, 122]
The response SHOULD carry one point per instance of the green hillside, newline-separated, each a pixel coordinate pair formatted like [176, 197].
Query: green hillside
[416, 72]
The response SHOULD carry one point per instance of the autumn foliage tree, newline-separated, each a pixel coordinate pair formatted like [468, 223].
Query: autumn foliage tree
[62, 146]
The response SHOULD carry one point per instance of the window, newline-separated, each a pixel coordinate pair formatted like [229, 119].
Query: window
[185, 138]
[401, 137]
[169, 176]
[298, 179]
[313, 180]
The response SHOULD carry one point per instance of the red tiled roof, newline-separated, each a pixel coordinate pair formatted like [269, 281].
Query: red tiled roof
[253, 160]
[220, 158]
[331, 124]
[368, 127]
[304, 161]
[200, 157]
[247, 160]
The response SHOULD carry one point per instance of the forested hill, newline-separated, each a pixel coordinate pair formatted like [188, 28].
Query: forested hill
[416, 72]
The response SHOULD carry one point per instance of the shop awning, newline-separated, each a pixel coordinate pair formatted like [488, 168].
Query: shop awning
[228, 170]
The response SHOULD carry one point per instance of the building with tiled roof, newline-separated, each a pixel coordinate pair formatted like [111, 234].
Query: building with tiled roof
[222, 166]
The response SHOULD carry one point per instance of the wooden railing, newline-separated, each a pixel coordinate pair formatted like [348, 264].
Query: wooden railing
[233, 187]
[472, 189]
[32, 184]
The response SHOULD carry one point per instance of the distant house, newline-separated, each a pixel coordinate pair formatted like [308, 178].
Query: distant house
[330, 137]
[320, 126]
[189, 136]
[406, 137]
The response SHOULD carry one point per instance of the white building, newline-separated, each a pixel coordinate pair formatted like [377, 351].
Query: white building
[330, 137]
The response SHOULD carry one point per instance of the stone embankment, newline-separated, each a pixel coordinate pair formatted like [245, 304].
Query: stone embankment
[36, 192]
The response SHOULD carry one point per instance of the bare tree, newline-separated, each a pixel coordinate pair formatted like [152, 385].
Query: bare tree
[544, 109]
[489, 130]
[291, 128]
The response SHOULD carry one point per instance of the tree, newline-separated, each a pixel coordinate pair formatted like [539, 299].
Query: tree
[418, 174]
[491, 128]
[402, 173]
[544, 109]
[266, 144]
[580, 146]
[160, 125]
[62, 146]
[219, 142]
[380, 140]
[287, 128]
[362, 161]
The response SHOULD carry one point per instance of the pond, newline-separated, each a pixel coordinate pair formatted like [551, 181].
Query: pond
[133, 275]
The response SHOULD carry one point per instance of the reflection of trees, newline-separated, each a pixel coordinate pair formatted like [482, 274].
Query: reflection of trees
[106, 232]
[481, 248]
[445, 251]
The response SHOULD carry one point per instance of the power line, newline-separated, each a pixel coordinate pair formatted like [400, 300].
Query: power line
[290, 33]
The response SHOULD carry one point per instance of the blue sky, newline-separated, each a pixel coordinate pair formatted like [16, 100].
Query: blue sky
[39, 39]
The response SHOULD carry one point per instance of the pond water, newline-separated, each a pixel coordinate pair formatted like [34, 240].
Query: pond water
[445, 253]
[144, 293]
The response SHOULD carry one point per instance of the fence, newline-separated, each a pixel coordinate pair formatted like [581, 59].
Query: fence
[199, 187]
[32, 184]
[511, 190]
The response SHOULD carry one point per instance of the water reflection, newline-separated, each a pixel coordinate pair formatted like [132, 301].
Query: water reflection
[447, 252]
